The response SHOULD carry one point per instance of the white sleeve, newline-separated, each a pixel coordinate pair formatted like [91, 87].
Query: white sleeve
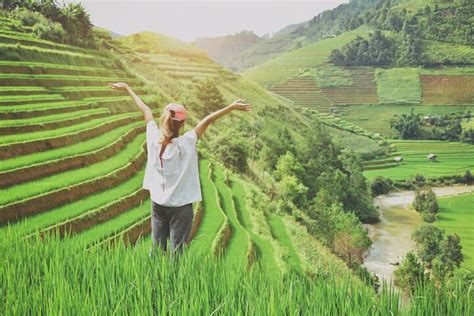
[190, 137]
[152, 132]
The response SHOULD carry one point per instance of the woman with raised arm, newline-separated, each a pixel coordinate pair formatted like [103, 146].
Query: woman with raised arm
[171, 173]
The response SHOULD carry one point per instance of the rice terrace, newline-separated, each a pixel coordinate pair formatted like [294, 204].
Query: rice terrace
[336, 177]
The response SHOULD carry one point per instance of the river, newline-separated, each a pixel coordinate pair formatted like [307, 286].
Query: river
[392, 235]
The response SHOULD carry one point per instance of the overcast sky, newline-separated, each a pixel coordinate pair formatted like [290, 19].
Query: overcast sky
[190, 19]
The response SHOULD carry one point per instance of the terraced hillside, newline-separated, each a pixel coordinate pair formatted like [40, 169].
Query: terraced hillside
[72, 151]
[176, 60]
[73, 155]
[303, 91]
[361, 91]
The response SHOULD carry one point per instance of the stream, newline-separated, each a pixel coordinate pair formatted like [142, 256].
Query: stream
[392, 235]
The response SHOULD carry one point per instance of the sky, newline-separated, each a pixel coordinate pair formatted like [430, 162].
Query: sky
[188, 20]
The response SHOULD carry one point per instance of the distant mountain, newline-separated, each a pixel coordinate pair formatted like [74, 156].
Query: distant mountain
[226, 49]
[253, 52]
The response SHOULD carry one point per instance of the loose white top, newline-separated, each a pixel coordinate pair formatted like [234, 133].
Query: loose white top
[176, 183]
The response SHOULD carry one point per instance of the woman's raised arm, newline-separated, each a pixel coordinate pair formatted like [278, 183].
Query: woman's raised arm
[147, 115]
[205, 122]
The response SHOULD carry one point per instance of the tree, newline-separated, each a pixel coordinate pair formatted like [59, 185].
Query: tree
[232, 149]
[468, 136]
[425, 201]
[377, 50]
[287, 165]
[428, 238]
[449, 259]
[407, 125]
[453, 131]
[410, 273]
[209, 95]
[381, 185]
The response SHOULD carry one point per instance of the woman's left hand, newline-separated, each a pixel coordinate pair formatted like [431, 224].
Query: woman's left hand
[118, 86]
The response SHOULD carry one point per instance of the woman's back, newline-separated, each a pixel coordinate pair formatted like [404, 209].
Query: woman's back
[173, 179]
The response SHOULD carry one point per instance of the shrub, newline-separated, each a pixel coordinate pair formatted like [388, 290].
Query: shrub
[27, 17]
[48, 30]
[468, 178]
[410, 273]
[425, 201]
[428, 217]
[381, 185]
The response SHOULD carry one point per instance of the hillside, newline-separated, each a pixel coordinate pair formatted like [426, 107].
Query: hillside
[363, 99]
[73, 152]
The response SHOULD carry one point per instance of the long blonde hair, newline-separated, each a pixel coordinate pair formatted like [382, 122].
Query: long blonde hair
[169, 128]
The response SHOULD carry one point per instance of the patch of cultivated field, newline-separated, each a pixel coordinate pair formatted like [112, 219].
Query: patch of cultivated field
[377, 118]
[456, 215]
[453, 159]
[450, 90]
[398, 85]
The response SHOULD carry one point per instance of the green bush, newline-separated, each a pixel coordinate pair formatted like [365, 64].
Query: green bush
[27, 17]
[52, 31]
[428, 217]
[381, 185]
[425, 202]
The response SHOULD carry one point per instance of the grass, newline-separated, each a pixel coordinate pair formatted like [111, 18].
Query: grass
[62, 117]
[314, 257]
[212, 218]
[30, 98]
[61, 180]
[46, 66]
[365, 147]
[456, 215]
[237, 248]
[338, 123]
[113, 226]
[87, 146]
[329, 76]
[60, 132]
[398, 85]
[260, 234]
[279, 233]
[453, 159]
[40, 106]
[127, 281]
[79, 207]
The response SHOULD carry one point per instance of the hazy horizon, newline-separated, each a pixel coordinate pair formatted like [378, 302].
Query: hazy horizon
[192, 19]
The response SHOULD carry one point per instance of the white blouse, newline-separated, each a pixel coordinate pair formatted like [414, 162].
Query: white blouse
[176, 183]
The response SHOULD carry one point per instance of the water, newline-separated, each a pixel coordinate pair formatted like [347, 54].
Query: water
[392, 236]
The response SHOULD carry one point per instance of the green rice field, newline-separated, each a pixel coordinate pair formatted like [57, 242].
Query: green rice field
[452, 159]
[456, 215]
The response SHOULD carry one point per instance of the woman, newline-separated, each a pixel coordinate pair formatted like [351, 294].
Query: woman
[171, 173]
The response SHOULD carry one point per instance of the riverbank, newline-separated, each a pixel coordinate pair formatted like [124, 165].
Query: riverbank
[392, 235]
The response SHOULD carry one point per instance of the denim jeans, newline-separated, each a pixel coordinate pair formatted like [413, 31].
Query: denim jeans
[171, 223]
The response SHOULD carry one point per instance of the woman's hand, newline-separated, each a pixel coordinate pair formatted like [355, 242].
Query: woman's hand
[240, 105]
[118, 86]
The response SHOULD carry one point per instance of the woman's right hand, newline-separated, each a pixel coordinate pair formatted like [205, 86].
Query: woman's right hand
[241, 106]
[118, 86]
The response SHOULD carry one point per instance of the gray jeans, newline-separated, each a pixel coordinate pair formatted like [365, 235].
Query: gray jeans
[173, 223]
